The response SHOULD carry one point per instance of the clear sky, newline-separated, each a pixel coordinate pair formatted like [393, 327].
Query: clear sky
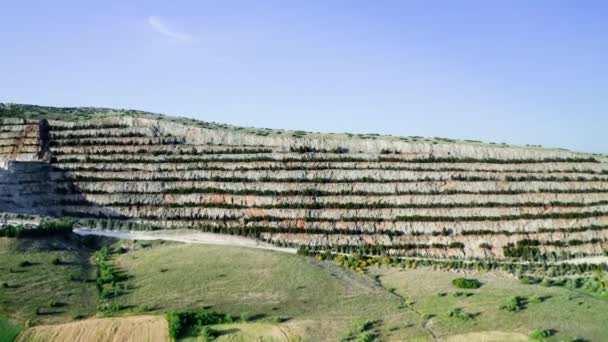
[522, 72]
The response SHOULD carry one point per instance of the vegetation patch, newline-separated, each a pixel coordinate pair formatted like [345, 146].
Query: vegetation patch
[272, 285]
[182, 322]
[8, 329]
[515, 304]
[47, 227]
[34, 289]
[464, 283]
[540, 334]
[462, 315]
[111, 281]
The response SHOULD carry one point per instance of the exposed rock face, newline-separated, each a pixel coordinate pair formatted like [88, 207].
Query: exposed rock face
[424, 198]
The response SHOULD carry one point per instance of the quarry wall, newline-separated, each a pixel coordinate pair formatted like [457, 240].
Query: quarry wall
[405, 198]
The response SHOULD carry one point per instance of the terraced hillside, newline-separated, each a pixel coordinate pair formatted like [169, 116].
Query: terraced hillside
[345, 193]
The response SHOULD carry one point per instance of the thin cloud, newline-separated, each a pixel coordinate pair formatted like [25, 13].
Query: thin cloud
[161, 27]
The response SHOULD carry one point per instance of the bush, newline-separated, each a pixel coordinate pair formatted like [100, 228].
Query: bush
[456, 245]
[515, 304]
[485, 245]
[55, 304]
[181, 321]
[524, 279]
[45, 228]
[56, 261]
[579, 339]
[541, 334]
[365, 326]
[462, 315]
[25, 263]
[207, 334]
[367, 337]
[245, 317]
[464, 283]
[536, 299]
[175, 324]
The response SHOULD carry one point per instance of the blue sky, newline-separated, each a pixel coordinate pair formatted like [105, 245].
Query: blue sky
[523, 72]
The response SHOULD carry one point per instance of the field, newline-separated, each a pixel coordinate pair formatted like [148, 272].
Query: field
[34, 290]
[318, 300]
[274, 297]
[8, 329]
[126, 329]
[569, 314]
[238, 332]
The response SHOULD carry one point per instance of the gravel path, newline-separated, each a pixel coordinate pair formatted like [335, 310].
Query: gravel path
[187, 236]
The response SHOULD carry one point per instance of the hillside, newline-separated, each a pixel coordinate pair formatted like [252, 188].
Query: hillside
[417, 239]
[114, 169]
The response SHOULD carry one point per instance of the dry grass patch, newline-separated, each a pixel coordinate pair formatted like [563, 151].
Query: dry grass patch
[488, 336]
[572, 314]
[124, 329]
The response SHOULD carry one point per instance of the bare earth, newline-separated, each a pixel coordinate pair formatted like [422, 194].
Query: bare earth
[187, 237]
[588, 260]
[123, 329]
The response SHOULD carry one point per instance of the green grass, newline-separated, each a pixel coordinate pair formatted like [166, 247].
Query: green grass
[285, 296]
[8, 329]
[321, 301]
[43, 292]
[570, 313]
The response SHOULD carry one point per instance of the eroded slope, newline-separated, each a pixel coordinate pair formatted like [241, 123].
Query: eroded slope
[373, 195]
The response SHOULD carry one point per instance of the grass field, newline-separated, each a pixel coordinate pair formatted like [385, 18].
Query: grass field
[8, 329]
[570, 314]
[277, 297]
[320, 301]
[36, 291]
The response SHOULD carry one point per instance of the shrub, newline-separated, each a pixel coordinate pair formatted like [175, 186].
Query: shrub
[485, 245]
[524, 279]
[340, 150]
[515, 304]
[25, 263]
[175, 324]
[464, 283]
[521, 251]
[367, 337]
[579, 339]
[45, 228]
[245, 317]
[541, 334]
[56, 261]
[462, 315]
[55, 304]
[207, 334]
[365, 326]
[547, 282]
[536, 299]
[181, 321]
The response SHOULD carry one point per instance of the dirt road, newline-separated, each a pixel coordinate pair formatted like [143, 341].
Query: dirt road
[187, 236]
